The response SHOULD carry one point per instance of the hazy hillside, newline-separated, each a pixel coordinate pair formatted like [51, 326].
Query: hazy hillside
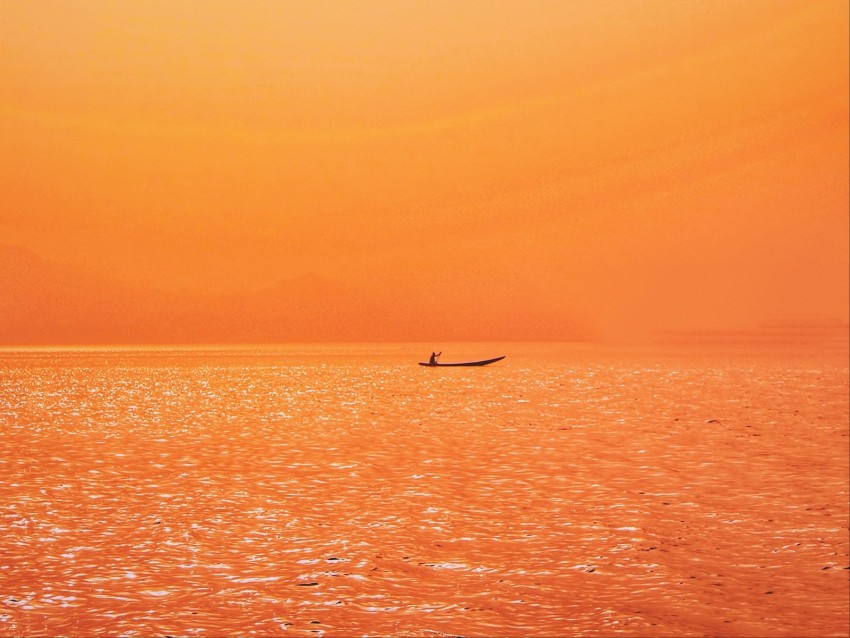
[42, 302]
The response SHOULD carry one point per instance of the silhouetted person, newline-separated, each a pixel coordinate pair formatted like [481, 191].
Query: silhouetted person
[433, 360]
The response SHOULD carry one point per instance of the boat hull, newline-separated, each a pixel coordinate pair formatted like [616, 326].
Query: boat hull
[483, 362]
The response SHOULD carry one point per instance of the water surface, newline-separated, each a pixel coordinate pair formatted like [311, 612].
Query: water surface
[345, 491]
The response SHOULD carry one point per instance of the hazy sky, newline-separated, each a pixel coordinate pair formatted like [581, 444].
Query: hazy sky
[625, 164]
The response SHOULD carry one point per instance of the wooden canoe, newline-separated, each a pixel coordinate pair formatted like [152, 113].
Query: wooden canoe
[483, 362]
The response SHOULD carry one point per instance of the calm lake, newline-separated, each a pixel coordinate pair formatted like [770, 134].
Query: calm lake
[343, 490]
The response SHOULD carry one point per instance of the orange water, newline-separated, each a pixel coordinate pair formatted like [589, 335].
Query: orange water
[346, 491]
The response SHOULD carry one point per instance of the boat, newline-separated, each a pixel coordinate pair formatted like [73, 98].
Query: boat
[483, 362]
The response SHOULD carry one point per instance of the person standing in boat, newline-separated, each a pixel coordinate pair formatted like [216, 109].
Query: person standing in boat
[433, 360]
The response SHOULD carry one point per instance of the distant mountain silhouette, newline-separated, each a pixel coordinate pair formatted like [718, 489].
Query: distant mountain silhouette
[42, 302]
[823, 334]
[46, 303]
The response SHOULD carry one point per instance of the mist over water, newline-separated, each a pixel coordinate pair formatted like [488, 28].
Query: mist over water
[343, 490]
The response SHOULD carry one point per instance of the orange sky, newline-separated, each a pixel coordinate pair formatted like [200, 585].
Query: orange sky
[603, 167]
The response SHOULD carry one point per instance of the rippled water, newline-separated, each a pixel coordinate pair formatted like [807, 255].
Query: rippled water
[346, 491]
